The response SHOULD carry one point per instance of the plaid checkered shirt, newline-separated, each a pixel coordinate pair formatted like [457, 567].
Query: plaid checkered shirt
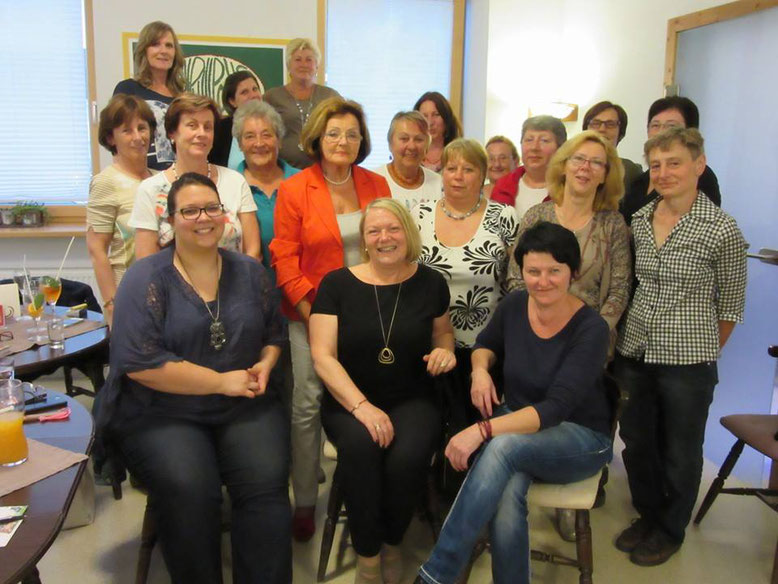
[696, 279]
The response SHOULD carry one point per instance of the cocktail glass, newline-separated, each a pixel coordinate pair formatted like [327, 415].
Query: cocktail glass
[35, 303]
[51, 288]
[13, 444]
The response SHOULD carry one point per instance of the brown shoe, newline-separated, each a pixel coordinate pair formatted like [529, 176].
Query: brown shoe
[655, 549]
[631, 537]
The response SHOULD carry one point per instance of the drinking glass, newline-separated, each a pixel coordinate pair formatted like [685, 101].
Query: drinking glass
[6, 368]
[13, 444]
[56, 330]
[51, 288]
[21, 282]
[35, 302]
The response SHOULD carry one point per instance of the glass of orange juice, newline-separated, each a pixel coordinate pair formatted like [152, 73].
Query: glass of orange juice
[51, 288]
[13, 444]
[35, 302]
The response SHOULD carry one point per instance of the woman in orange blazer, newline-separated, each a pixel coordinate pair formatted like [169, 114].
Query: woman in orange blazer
[317, 218]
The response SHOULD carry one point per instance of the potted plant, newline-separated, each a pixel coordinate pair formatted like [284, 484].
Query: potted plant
[7, 217]
[30, 213]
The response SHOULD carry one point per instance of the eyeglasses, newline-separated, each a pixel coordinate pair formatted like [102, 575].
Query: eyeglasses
[213, 210]
[659, 126]
[334, 136]
[35, 396]
[6, 336]
[578, 160]
[596, 124]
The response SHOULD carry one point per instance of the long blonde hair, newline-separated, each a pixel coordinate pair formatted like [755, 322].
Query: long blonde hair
[150, 34]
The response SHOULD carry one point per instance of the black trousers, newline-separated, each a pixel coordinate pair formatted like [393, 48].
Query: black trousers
[382, 487]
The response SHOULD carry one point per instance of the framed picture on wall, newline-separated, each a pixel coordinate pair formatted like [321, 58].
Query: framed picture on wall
[211, 59]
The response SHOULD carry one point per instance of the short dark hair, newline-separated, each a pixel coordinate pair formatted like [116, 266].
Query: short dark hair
[546, 237]
[688, 109]
[600, 107]
[186, 180]
[453, 127]
[120, 110]
[231, 86]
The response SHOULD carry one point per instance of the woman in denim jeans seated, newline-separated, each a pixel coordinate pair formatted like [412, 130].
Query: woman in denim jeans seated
[554, 424]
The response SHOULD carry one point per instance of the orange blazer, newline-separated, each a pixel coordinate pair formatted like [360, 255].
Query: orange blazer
[306, 242]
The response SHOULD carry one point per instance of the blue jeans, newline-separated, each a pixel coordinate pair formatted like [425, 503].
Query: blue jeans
[663, 428]
[495, 492]
[184, 464]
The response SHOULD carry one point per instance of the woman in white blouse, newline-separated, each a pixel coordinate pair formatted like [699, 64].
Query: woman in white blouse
[190, 122]
[410, 182]
[467, 238]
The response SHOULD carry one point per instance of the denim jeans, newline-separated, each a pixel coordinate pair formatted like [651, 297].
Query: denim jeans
[495, 492]
[663, 428]
[184, 464]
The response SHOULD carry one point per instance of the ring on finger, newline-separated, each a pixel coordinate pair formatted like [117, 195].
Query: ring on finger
[378, 427]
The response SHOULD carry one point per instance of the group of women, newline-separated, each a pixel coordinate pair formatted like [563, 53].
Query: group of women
[387, 279]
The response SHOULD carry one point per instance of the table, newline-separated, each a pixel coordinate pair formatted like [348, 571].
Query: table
[87, 352]
[48, 499]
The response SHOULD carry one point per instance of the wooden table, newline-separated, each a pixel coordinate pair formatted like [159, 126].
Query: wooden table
[87, 352]
[48, 499]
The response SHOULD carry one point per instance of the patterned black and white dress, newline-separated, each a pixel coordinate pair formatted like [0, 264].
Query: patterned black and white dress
[476, 271]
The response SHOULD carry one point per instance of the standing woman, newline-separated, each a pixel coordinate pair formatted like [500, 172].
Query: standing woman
[409, 139]
[467, 238]
[189, 122]
[503, 160]
[126, 127]
[159, 77]
[443, 124]
[191, 356]
[316, 231]
[239, 87]
[296, 100]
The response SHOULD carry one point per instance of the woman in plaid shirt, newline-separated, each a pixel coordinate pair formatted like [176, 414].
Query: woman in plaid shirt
[690, 263]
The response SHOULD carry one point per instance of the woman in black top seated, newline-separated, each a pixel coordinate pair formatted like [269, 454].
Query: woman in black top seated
[188, 404]
[664, 113]
[379, 330]
[239, 87]
[555, 423]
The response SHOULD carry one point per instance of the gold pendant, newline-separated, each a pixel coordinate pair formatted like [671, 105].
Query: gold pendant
[385, 356]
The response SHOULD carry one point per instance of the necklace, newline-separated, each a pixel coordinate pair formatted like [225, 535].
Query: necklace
[577, 227]
[337, 183]
[463, 216]
[175, 171]
[402, 181]
[218, 335]
[385, 355]
[304, 115]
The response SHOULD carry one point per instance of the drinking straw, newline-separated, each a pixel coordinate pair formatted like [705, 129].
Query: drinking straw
[67, 251]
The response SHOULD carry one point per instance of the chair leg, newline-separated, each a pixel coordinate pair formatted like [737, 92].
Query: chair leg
[718, 482]
[334, 503]
[583, 546]
[148, 538]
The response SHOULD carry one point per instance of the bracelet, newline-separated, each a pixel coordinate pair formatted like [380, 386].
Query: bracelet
[356, 407]
[108, 303]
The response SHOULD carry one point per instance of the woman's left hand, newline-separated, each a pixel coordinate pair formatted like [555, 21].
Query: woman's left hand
[440, 361]
[462, 446]
[260, 370]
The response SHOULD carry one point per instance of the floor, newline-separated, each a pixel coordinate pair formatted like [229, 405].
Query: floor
[735, 543]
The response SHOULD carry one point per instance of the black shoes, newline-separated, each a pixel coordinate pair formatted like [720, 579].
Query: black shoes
[646, 544]
[631, 537]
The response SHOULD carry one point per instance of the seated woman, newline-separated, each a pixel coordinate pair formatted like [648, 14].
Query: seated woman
[239, 88]
[126, 127]
[503, 160]
[443, 125]
[191, 355]
[552, 350]
[159, 77]
[189, 122]
[610, 120]
[409, 139]
[378, 331]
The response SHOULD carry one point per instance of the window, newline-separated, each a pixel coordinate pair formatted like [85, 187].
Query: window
[45, 140]
[384, 54]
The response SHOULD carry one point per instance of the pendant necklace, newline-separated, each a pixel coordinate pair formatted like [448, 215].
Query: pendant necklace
[218, 335]
[464, 216]
[175, 172]
[303, 114]
[385, 355]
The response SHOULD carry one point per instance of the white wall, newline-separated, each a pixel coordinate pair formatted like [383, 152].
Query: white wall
[245, 18]
[578, 52]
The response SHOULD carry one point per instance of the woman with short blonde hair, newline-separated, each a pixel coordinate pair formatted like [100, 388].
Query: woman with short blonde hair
[296, 100]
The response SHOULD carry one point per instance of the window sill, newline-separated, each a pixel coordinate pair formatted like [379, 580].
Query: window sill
[47, 231]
